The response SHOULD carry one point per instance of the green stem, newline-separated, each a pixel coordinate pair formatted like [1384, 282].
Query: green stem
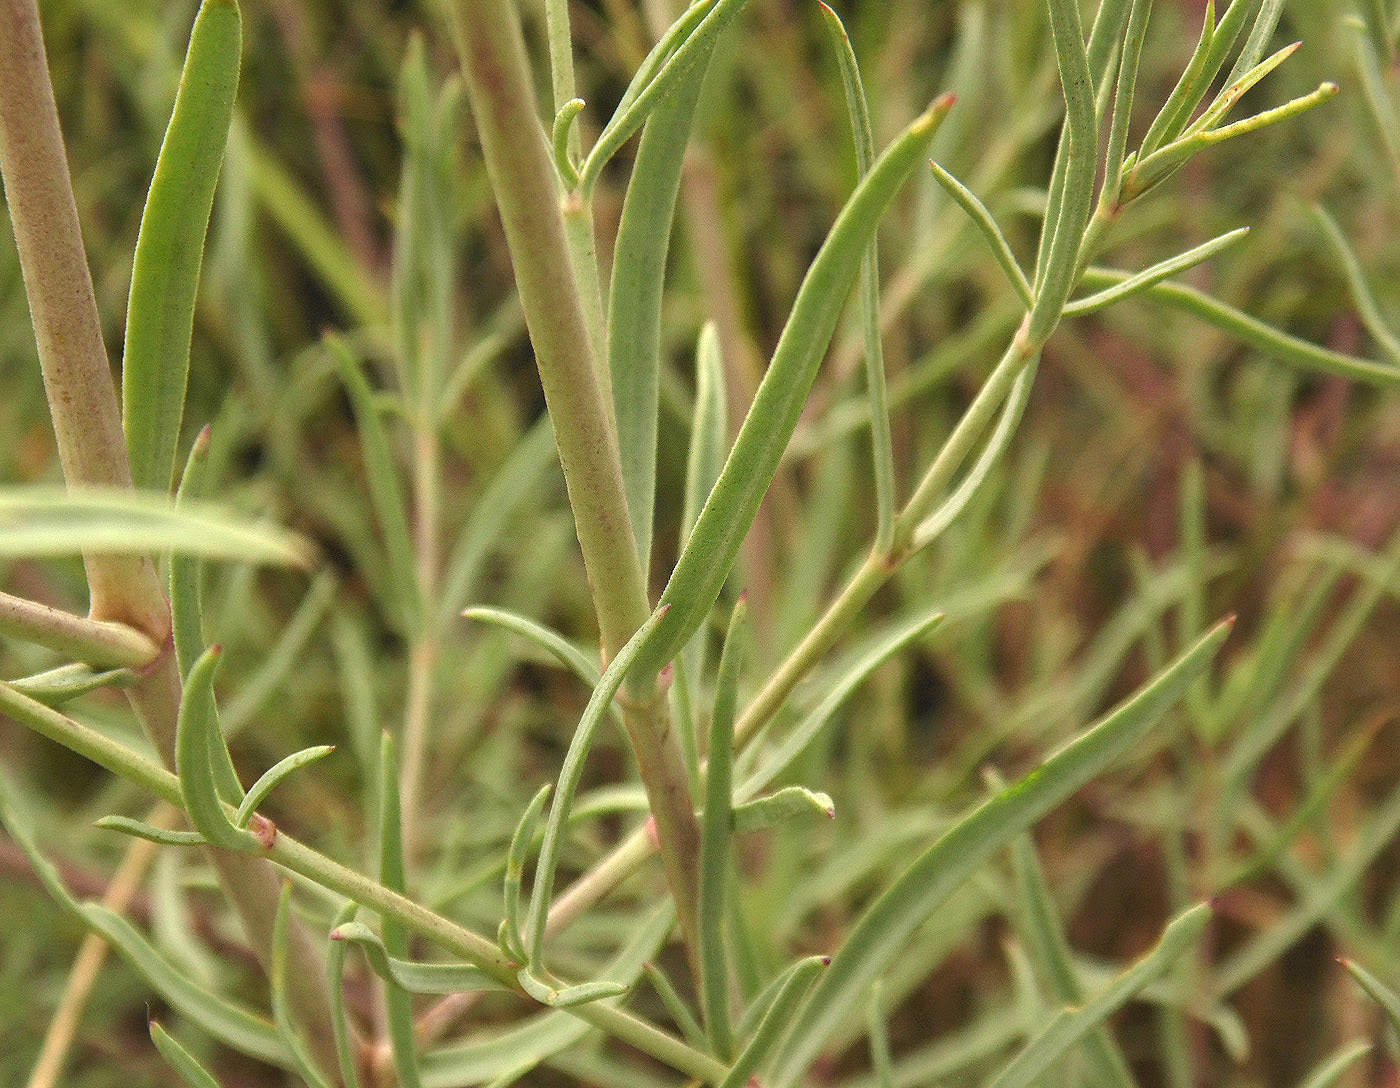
[520, 164]
[301, 859]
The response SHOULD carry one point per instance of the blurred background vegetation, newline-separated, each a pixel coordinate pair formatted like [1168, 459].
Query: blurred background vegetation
[1064, 583]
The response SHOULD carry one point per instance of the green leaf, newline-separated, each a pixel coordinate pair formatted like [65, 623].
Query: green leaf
[889, 922]
[569, 775]
[788, 803]
[55, 687]
[1330, 1070]
[553, 643]
[710, 551]
[568, 997]
[481, 1059]
[196, 738]
[882, 446]
[634, 297]
[411, 977]
[1366, 305]
[1049, 949]
[715, 832]
[385, 488]
[687, 43]
[709, 428]
[393, 875]
[785, 1006]
[180, 1059]
[149, 832]
[1278, 345]
[281, 1004]
[340, 1020]
[45, 521]
[1156, 274]
[844, 681]
[234, 1025]
[170, 245]
[1072, 1024]
[520, 842]
[186, 605]
[982, 219]
[272, 778]
[676, 1006]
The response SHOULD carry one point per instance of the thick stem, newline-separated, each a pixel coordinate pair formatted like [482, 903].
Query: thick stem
[521, 167]
[91, 445]
[77, 375]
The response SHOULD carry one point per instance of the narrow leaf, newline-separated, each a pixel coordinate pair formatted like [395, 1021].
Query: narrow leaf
[553, 643]
[882, 446]
[520, 842]
[196, 734]
[788, 803]
[888, 923]
[676, 1006]
[1274, 343]
[281, 1005]
[67, 682]
[1378, 991]
[634, 297]
[170, 245]
[272, 778]
[45, 521]
[569, 776]
[776, 1020]
[568, 997]
[1155, 274]
[709, 428]
[412, 977]
[186, 606]
[180, 1059]
[715, 831]
[340, 1019]
[385, 488]
[393, 875]
[1072, 1024]
[138, 829]
[714, 543]
[982, 219]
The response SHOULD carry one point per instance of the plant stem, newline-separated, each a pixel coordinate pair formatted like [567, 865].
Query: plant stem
[521, 168]
[94, 642]
[77, 375]
[298, 858]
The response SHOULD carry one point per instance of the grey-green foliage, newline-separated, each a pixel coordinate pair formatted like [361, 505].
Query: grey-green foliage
[906, 623]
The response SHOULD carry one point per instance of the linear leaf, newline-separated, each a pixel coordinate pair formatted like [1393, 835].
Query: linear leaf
[1155, 274]
[634, 297]
[47, 521]
[888, 923]
[55, 687]
[170, 245]
[272, 778]
[882, 446]
[1072, 1024]
[569, 776]
[409, 976]
[520, 842]
[714, 543]
[715, 832]
[788, 803]
[180, 1059]
[137, 829]
[196, 735]
[791, 990]
[568, 997]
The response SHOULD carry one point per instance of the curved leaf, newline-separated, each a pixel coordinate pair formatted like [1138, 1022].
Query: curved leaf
[170, 245]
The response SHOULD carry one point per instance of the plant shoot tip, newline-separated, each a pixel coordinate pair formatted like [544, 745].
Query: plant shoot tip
[826, 960]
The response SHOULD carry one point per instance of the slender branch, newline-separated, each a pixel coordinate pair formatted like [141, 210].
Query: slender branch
[100, 643]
